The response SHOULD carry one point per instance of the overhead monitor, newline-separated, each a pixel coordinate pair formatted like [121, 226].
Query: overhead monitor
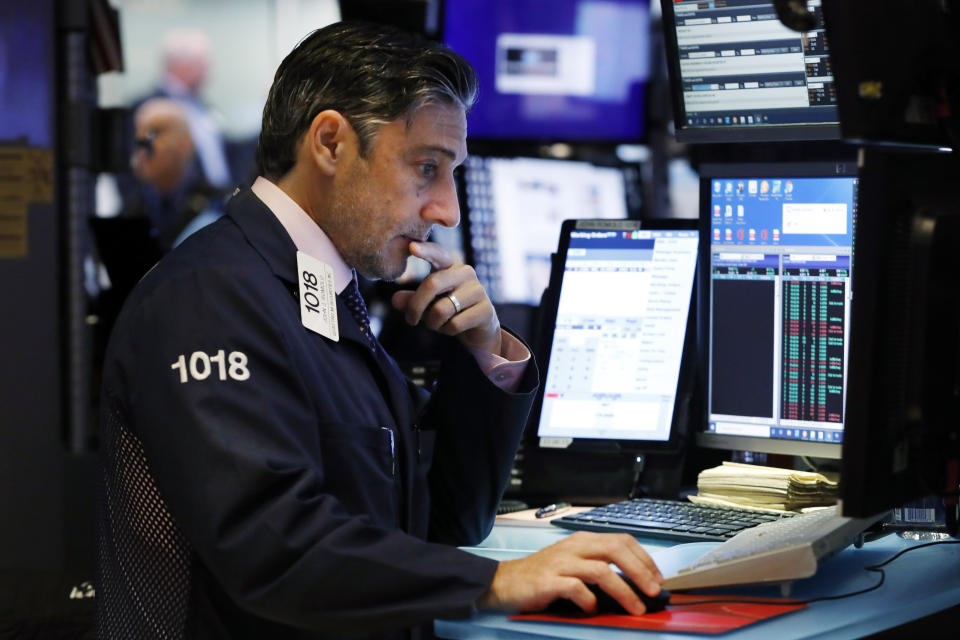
[737, 74]
[617, 328]
[514, 210]
[775, 295]
[557, 70]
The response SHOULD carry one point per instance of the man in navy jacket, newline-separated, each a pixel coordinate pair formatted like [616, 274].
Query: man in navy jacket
[268, 471]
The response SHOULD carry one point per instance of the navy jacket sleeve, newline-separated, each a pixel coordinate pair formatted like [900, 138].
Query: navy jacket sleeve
[478, 429]
[210, 381]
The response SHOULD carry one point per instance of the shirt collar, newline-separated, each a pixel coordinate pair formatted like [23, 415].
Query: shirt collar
[305, 233]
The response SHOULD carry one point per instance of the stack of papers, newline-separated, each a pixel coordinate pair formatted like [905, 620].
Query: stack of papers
[764, 488]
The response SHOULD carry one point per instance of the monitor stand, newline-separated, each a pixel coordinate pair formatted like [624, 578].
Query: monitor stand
[591, 478]
[657, 475]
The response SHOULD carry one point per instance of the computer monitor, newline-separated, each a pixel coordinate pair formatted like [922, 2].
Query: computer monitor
[775, 296]
[514, 208]
[616, 331]
[902, 436]
[554, 70]
[739, 75]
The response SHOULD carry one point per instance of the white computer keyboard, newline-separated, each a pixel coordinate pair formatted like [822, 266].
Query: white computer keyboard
[780, 551]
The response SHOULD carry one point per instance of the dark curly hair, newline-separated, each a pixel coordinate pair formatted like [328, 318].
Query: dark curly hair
[372, 74]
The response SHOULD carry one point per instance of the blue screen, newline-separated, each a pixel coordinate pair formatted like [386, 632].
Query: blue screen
[782, 211]
[554, 69]
[26, 58]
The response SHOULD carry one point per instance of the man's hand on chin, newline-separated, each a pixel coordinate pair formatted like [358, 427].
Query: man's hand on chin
[451, 301]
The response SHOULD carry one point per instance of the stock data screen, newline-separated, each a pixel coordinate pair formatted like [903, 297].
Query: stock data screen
[739, 66]
[781, 252]
[618, 337]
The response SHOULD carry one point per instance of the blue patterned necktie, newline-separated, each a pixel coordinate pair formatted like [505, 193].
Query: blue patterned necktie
[358, 309]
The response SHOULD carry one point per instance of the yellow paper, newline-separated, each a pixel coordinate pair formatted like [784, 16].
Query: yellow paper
[39, 175]
[13, 224]
[13, 170]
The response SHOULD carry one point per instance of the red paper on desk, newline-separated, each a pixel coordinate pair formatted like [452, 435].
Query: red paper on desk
[718, 617]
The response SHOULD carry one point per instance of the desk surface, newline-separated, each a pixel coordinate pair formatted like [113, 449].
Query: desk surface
[917, 584]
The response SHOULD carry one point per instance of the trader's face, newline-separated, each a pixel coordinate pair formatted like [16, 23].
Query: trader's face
[164, 146]
[403, 187]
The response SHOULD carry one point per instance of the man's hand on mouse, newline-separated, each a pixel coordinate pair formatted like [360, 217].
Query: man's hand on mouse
[563, 570]
[434, 304]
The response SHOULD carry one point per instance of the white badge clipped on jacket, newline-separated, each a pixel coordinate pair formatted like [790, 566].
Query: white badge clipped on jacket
[318, 296]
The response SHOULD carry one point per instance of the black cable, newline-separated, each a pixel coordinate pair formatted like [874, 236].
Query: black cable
[876, 568]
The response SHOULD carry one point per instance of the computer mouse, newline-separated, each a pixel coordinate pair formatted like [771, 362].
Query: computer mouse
[606, 604]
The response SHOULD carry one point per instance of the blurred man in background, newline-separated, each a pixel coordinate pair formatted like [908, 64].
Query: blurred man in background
[173, 191]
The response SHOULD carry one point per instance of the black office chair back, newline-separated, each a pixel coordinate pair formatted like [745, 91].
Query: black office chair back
[144, 568]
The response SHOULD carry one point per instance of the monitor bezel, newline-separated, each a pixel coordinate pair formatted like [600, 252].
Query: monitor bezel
[797, 132]
[708, 172]
[681, 410]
